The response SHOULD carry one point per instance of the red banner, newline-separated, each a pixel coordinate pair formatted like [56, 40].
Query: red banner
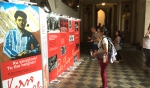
[19, 67]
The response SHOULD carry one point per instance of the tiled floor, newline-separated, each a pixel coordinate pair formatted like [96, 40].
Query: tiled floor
[127, 74]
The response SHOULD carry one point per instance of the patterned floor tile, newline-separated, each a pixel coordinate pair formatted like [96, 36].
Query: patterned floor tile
[127, 74]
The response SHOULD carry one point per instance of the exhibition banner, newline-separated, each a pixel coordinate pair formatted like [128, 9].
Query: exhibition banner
[77, 40]
[54, 50]
[71, 40]
[20, 46]
[64, 43]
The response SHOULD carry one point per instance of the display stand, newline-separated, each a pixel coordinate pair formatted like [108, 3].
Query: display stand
[63, 45]
[23, 58]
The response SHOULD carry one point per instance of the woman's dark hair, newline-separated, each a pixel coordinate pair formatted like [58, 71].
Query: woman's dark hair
[119, 33]
[104, 30]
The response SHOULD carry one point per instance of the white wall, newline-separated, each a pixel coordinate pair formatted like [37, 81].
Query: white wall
[63, 9]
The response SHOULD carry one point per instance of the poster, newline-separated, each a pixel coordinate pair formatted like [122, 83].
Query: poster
[71, 40]
[20, 46]
[53, 34]
[66, 61]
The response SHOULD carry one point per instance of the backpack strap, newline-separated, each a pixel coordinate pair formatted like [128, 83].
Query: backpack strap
[102, 43]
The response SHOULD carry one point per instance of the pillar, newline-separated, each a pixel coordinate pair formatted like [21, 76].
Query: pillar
[119, 16]
[93, 15]
[81, 23]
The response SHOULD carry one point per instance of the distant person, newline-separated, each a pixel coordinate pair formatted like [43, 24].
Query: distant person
[94, 41]
[19, 42]
[117, 45]
[146, 49]
[99, 26]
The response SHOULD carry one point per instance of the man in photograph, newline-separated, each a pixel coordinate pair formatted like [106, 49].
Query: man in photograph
[70, 24]
[54, 24]
[63, 50]
[19, 42]
[76, 26]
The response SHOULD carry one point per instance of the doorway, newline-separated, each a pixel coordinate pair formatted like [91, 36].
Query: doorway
[101, 17]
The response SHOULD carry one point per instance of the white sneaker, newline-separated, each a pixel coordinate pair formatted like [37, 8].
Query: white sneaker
[94, 59]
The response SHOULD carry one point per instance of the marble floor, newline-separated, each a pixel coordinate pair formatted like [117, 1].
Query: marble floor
[127, 74]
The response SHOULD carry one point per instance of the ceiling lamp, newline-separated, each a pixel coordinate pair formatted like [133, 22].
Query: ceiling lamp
[103, 3]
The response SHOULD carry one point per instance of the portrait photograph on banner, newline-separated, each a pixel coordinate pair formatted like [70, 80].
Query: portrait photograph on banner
[20, 51]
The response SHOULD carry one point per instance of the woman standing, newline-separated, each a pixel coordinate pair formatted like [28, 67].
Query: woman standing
[146, 48]
[117, 45]
[103, 56]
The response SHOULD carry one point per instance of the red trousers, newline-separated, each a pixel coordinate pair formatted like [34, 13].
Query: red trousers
[103, 67]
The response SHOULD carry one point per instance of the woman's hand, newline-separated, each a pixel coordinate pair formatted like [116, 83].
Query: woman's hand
[95, 54]
[89, 37]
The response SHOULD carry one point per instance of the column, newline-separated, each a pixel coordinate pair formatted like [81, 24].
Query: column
[81, 23]
[119, 16]
[147, 16]
[93, 15]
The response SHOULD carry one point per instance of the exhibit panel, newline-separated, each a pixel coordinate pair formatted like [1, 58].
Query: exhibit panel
[71, 44]
[35, 47]
[20, 43]
[54, 49]
[63, 43]
[76, 26]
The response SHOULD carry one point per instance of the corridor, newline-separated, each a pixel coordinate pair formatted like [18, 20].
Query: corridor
[127, 74]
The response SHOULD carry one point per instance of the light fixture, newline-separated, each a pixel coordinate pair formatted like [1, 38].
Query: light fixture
[103, 3]
[77, 5]
[45, 6]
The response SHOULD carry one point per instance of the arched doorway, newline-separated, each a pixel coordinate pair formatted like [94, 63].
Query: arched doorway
[101, 17]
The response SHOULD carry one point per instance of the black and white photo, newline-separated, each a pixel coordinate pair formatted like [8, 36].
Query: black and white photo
[52, 63]
[71, 38]
[63, 50]
[76, 26]
[53, 23]
[70, 24]
[75, 58]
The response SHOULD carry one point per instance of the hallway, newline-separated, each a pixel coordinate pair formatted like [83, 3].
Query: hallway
[127, 74]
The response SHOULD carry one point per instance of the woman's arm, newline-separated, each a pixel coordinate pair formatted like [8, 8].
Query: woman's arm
[104, 51]
[117, 40]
